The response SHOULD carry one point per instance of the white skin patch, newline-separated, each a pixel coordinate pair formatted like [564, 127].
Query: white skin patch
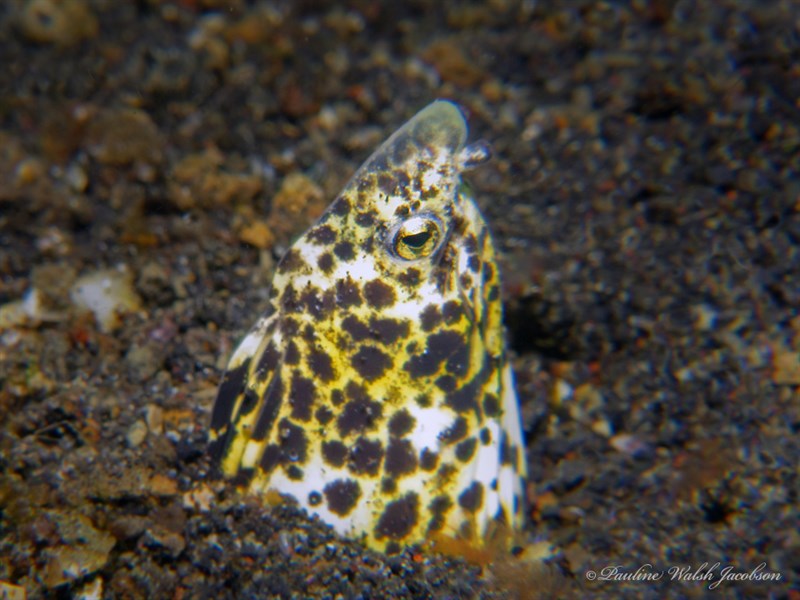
[430, 422]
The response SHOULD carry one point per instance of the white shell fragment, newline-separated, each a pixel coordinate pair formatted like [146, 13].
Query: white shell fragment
[108, 294]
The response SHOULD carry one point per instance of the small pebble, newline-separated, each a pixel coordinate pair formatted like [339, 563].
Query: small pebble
[61, 22]
[154, 417]
[136, 434]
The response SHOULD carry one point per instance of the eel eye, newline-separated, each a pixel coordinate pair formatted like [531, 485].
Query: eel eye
[416, 238]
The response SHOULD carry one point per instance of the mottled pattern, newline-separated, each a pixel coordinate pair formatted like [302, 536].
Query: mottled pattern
[375, 390]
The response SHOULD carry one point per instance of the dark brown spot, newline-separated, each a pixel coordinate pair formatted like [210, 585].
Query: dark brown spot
[267, 362]
[269, 408]
[293, 442]
[428, 460]
[446, 383]
[379, 294]
[505, 449]
[292, 262]
[271, 458]
[357, 330]
[466, 449]
[322, 235]
[400, 458]
[471, 499]
[334, 453]
[410, 278]
[319, 304]
[368, 245]
[323, 415]
[398, 518]
[301, 397]
[471, 244]
[452, 311]
[474, 263]
[289, 326]
[439, 507]
[486, 436]
[340, 207]
[494, 293]
[430, 192]
[441, 345]
[456, 432]
[401, 211]
[445, 343]
[465, 398]
[365, 457]
[232, 386]
[443, 271]
[370, 362]
[290, 302]
[243, 477]
[314, 498]
[320, 364]
[292, 354]
[420, 365]
[347, 293]
[465, 280]
[401, 423]
[388, 486]
[325, 263]
[388, 331]
[491, 405]
[249, 402]
[365, 219]
[294, 473]
[458, 361]
[359, 414]
[337, 397]
[488, 272]
[344, 250]
[423, 401]
[342, 496]
[430, 317]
